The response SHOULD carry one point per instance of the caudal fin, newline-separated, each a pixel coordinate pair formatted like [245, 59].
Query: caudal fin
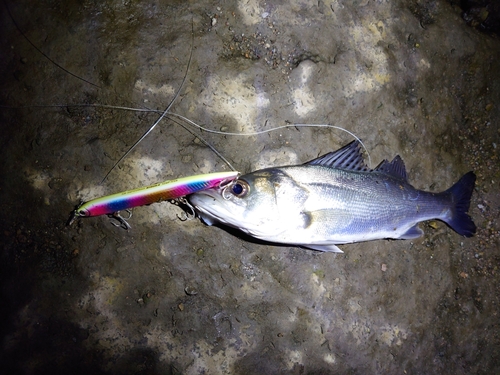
[461, 192]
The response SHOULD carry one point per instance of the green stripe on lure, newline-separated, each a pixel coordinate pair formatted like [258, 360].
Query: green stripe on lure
[167, 190]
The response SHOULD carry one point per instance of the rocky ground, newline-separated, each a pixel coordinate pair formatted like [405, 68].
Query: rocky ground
[414, 78]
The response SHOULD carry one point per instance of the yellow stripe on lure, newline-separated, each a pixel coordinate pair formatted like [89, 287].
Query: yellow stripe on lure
[111, 204]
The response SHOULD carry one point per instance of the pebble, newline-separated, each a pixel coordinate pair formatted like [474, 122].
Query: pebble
[190, 291]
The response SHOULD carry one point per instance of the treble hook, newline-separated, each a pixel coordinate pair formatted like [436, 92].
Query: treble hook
[189, 212]
[122, 222]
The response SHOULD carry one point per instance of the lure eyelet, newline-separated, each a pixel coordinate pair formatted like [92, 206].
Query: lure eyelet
[82, 213]
[225, 183]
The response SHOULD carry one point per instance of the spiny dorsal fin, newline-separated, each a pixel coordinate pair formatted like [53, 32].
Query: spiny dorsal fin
[396, 168]
[348, 157]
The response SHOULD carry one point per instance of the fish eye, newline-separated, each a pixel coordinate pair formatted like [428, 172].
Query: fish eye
[240, 188]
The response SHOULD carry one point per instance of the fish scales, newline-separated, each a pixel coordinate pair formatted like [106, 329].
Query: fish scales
[347, 206]
[334, 199]
[351, 204]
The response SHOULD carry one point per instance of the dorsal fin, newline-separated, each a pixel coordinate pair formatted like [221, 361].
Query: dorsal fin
[396, 168]
[348, 157]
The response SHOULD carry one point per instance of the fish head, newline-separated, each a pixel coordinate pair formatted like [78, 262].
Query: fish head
[254, 203]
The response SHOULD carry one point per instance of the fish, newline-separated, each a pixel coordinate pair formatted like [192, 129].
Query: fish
[331, 200]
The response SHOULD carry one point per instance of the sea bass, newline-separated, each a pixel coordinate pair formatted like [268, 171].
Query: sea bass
[334, 199]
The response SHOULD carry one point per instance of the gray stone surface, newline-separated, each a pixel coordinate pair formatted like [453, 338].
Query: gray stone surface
[170, 297]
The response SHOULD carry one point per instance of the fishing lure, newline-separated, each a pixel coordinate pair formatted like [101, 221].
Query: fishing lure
[162, 191]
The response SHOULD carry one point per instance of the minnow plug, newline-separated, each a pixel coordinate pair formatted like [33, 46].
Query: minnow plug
[111, 205]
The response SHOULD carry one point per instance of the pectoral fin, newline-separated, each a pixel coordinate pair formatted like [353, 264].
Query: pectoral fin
[322, 224]
[328, 222]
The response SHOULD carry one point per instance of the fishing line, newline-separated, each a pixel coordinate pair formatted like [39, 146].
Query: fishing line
[202, 140]
[163, 114]
[220, 132]
[166, 113]
[44, 54]
[203, 128]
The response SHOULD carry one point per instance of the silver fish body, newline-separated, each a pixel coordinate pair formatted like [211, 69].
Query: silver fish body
[335, 199]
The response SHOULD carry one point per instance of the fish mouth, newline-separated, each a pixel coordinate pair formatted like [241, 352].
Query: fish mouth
[205, 198]
[210, 206]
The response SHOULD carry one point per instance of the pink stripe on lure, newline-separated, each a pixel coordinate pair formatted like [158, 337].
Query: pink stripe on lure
[151, 194]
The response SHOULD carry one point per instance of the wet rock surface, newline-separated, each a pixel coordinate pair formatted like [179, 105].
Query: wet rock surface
[171, 296]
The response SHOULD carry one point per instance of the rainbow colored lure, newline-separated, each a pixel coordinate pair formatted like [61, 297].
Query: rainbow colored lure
[111, 204]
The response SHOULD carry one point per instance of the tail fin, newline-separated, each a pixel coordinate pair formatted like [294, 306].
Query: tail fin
[461, 193]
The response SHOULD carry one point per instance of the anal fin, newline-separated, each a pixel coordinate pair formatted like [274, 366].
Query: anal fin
[331, 248]
[412, 233]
